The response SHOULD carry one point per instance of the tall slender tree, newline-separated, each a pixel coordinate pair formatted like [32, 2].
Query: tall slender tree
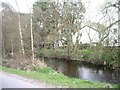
[20, 30]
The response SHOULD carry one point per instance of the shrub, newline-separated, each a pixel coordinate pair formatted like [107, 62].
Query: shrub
[111, 57]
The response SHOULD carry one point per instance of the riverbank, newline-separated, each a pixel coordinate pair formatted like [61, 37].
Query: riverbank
[49, 75]
[105, 58]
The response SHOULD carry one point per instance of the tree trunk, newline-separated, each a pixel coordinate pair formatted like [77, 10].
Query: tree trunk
[119, 33]
[21, 37]
[3, 47]
[76, 44]
[12, 47]
[1, 38]
[20, 30]
[32, 47]
[119, 26]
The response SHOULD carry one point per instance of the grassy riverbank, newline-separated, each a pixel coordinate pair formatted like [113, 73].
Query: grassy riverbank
[51, 76]
[104, 57]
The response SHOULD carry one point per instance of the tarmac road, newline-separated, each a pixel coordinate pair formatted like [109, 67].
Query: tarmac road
[14, 81]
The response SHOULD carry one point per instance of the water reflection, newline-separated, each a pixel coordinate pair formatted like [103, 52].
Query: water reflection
[84, 70]
[90, 74]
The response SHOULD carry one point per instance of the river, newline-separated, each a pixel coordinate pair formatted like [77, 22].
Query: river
[85, 70]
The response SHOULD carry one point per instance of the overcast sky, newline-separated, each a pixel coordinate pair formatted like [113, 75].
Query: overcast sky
[23, 4]
[92, 6]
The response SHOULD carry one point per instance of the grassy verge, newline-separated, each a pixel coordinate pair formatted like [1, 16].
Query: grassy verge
[105, 57]
[50, 76]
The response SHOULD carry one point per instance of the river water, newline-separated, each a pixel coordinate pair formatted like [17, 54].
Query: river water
[85, 70]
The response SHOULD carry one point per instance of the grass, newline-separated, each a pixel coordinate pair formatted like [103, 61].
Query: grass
[51, 53]
[111, 58]
[51, 76]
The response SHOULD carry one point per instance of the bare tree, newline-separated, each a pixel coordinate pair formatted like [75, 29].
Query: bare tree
[119, 24]
[10, 34]
[0, 38]
[32, 39]
[20, 30]
[32, 43]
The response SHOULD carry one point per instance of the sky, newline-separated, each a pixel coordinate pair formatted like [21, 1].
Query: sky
[91, 5]
[23, 4]
[93, 8]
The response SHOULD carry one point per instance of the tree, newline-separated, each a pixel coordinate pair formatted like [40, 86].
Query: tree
[9, 27]
[1, 38]
[11, 31]
[72, 16]
[40, 22]
[32, 42]
[58, 20]
[110, 11]
[20, 31]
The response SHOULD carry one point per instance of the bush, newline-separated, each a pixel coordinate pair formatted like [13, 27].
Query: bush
[45, 53]
[106, 55]
[82, 54]
[110, 57]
